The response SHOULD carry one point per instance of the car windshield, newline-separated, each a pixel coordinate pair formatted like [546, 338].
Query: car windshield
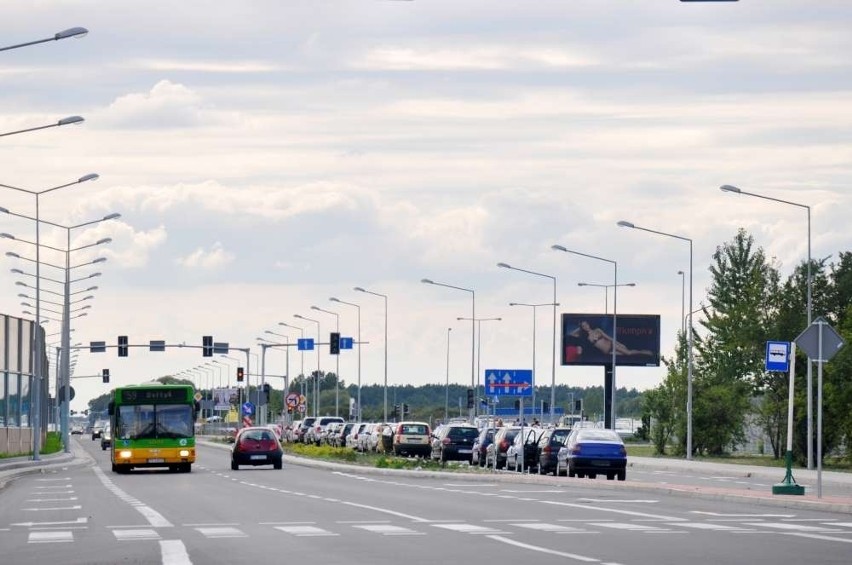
[463, 433]
[257, 435]
[413, 429]
[147, 421]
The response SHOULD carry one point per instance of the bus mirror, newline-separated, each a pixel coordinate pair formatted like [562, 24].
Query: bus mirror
[111, 408]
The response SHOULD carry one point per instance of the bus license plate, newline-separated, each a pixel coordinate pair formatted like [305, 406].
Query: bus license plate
[160, 460]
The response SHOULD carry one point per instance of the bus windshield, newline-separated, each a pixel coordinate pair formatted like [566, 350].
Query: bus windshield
[149, 421]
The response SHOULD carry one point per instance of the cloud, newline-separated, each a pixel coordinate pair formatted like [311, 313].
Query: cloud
[204, 66]
[215, 258]
[166, 105]
[467, 58]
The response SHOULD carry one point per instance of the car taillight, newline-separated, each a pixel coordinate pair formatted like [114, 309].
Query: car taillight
[504, 445]
[446, 441]
[575, 450]
[547, 449]
[622, 450]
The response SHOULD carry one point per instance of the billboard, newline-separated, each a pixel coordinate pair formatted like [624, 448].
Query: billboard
[587, 340]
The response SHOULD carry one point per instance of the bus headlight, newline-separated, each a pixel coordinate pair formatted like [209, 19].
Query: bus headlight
[184, 453]
[125, 454]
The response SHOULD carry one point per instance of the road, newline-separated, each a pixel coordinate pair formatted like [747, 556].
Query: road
[86, 514]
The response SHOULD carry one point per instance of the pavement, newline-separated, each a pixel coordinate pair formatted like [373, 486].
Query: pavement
[833, 482]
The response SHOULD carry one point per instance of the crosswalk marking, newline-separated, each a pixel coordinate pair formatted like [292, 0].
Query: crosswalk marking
[305, 531]
[222, 532]
[468, 528]
[136, 535]
[50, 537]
[551, 528]
[627, 526]
[389, 530]
[795, 527]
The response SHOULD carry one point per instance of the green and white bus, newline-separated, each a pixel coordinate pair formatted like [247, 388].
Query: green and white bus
[153, 426]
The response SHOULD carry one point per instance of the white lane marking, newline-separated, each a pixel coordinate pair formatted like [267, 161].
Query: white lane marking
[824, 538]
[573, 556]
[389, 530]
[75, 507]
[136, 535]
[627, 500]
[614, 511]
[468, 528]
[551, 528]
[386, 511]
[82, 520]
[60, 528]
[50, 537]
[53, 480]
[847, 524]
[211, 525]
[547, 491]
[305, 531]
[53, 486]
[720, 515]
[154, 518]
[628, 526]
[174, 552]
[286, 523]
[709, 526]
[68, 499]
[222, 533]
[795, 527]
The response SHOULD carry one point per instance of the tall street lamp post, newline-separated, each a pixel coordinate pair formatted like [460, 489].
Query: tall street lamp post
[682, 301]
[625, 224]
[36, 341]
[316, 380]
[447, 387]
[358, 307]
[336, 360]
[615, 286]
[534, 309]
[479, 349]
[62, 122]
[65, 371]
[64, 34]
[606, 288]
[385, 403]
[301, 354]
[472, 410]
[553, 353]
[735, 190]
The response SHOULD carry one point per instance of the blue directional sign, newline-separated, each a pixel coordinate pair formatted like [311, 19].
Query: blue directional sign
[248, 409]
[346, 343]
[97, 346]
[778, 356]
[305, 344]
[508, 382]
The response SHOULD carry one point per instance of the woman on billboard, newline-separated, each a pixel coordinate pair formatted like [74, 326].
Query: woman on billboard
[604, 342]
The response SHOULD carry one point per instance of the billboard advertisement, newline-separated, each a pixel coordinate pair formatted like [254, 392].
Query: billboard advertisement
[587, 339]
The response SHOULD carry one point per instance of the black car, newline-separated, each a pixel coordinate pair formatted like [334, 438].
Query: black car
[454, 443]
[548, 448]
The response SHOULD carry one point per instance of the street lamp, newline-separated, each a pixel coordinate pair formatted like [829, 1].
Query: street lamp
[358, 409]
[336, 360]
[62, 122]
[606, 288]
[615, 286]
[682, 307]
[479, 348]
[77, 32]
[383, 296]
[735, 190]
[472, 410]
[534, 309]
[301, 352]
[316, 380]
[625, 224]
[553, 353]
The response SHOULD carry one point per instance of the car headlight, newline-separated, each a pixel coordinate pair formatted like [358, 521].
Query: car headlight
[125, 454]
[184, 453]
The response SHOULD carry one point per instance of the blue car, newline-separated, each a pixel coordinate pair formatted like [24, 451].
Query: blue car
[590, 452]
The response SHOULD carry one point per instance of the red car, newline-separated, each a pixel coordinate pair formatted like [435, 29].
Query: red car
[256, 446]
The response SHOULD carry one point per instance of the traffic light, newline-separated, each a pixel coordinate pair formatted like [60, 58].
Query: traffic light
[395, 411]
[207, 346]
[404, 410]
[267, 388]
[105, 376]
[334, 343]
[122, 346]
[578, 405]
[469, 398]
[241, 374]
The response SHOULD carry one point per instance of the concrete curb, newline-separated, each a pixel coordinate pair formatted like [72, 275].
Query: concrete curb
[21, 466]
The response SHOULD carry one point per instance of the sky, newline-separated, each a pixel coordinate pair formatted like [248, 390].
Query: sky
[268, 155]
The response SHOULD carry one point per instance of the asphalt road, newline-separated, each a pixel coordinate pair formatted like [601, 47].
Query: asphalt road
[87, 514]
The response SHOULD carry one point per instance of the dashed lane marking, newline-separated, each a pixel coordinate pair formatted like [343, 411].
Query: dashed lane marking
[305, 531]
[136, 535]
[50, 537]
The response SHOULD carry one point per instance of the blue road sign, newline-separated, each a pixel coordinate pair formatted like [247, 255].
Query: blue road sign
[157, 345]
[220, 347]
[248, 409]
[305, 344]
[346, 343]
[778, 356]
[508, 382]
[97, 346]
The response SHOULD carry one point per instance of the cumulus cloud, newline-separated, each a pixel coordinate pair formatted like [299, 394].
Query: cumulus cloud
[203, 259]
[166, 105]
